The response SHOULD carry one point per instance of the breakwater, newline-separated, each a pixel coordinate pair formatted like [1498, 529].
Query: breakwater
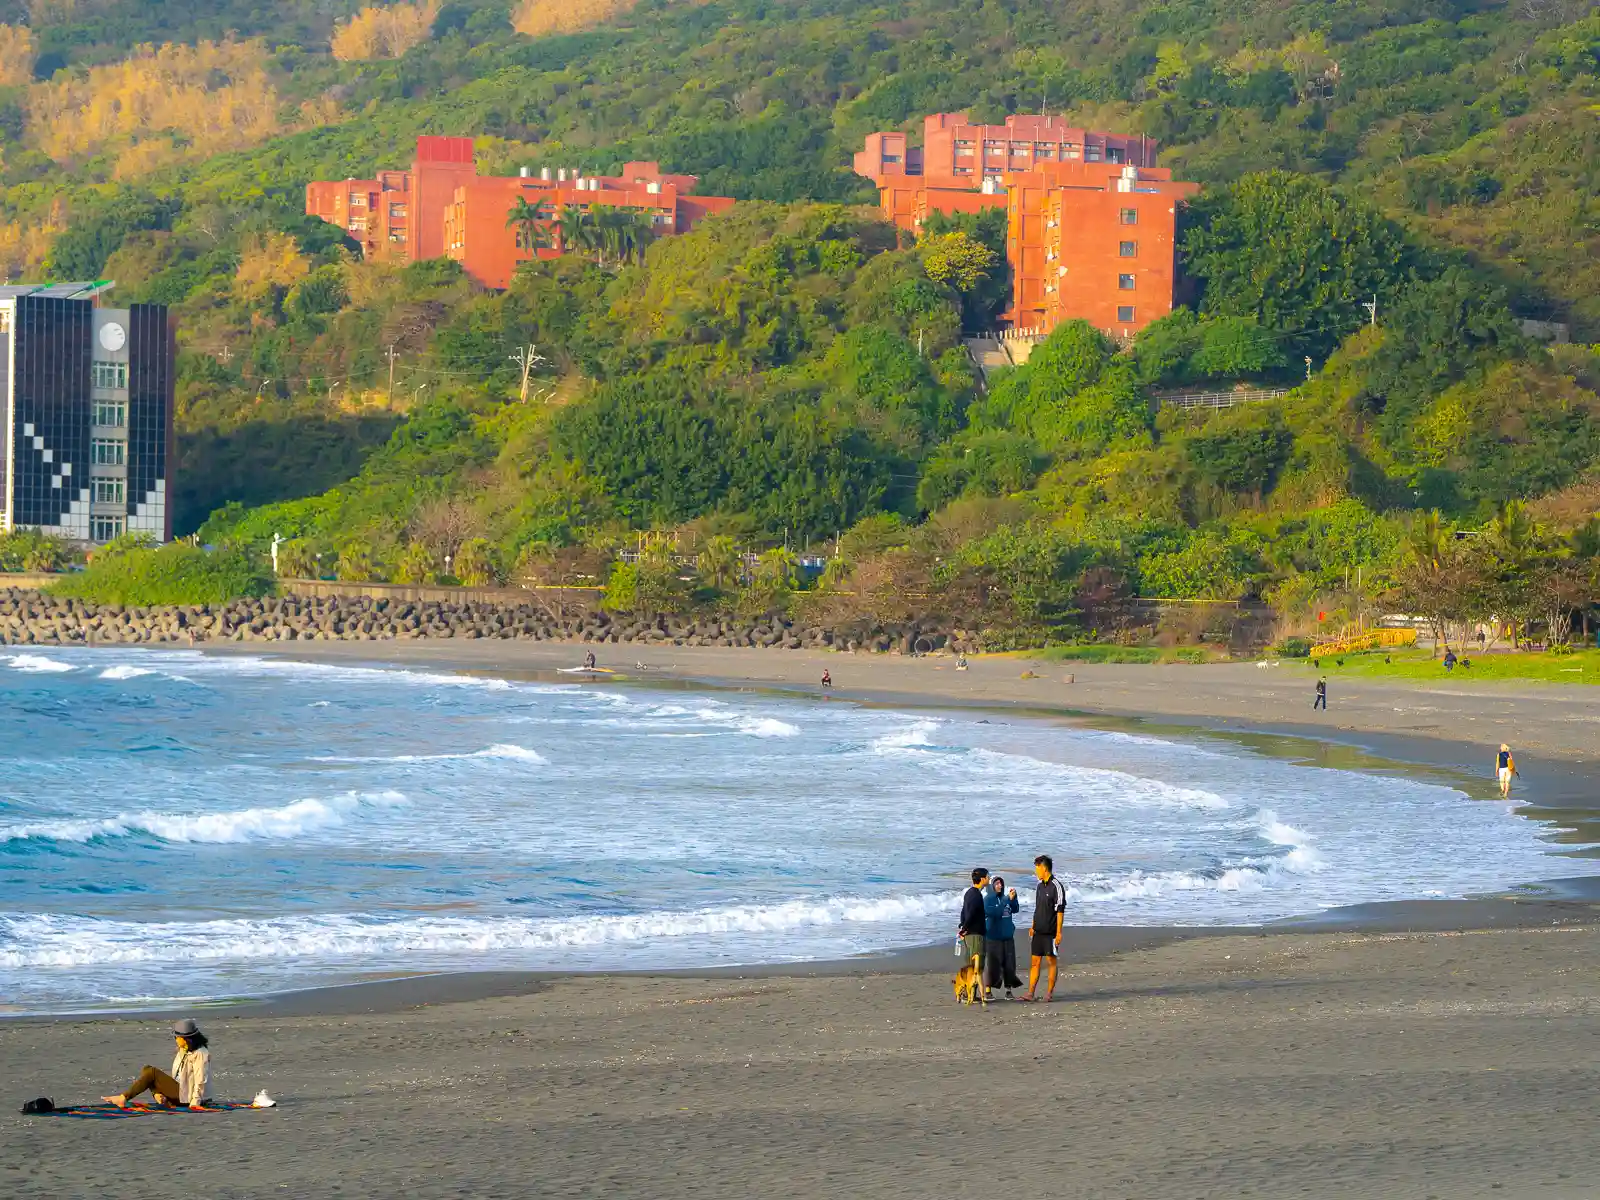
[36, 619]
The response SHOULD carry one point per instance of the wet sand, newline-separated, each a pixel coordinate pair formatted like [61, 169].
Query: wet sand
[1308, 1065]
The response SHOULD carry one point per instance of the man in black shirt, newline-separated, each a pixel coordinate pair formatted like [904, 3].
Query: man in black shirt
[973, 921]
[1049, 904]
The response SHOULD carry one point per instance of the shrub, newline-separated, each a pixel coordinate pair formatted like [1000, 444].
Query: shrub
[1293, 647]
[174, 574]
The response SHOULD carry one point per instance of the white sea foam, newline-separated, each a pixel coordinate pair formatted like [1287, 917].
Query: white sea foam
[240, 825]
[35, 663]
[1247, 874]
[913, 737]
[64, 941]
[125, 672]
[499, 750]
[1015, 773]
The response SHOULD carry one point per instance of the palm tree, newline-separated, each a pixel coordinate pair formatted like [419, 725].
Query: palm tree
[778, 566]
[1428, 538]
[718, 563]
[531, 223]
[1513, 533]
[574, 229]
[637, 235]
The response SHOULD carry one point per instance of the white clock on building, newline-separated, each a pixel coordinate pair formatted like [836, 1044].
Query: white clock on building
[113, 336]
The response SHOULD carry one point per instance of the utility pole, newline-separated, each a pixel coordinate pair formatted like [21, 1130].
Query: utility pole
[390, 402]
[527, 357]
[1372, 309]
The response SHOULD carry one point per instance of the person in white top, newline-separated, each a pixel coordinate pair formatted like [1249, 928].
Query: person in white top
[186, 1084]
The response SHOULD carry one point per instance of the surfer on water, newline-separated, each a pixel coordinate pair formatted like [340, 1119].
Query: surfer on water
[588, 661]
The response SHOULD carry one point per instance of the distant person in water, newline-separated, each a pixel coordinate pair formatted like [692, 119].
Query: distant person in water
[827, 679]
[1322, 695]
[191, 1067]
[588, 661]
[1504, 768]
[1000, 938]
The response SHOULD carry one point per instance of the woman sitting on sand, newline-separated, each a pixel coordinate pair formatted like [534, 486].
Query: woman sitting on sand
[187, 1083]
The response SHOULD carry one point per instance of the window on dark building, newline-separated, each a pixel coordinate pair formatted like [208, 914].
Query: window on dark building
[1125, 283]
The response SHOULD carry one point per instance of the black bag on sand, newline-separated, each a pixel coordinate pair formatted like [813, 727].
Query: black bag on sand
[42, 1105]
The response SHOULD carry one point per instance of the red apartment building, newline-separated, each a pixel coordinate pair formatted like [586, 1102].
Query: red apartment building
[1067, 192]
[442, 207]
[477, 236]
[1092, 241]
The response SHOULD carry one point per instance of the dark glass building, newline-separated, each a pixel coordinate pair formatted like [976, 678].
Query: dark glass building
[88, 413]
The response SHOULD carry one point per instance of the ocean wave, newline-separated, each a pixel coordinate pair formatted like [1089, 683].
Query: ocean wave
[62, 941]
[914, 737]
[35, 663]
[1013, 772]
[240, 825]
[250, 665]
[499, 750]
[1247, 874]
[125, 672]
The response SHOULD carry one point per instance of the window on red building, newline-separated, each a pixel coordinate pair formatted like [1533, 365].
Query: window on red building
[1129, 216]
[1125, 314]
[1125, 283]
[1128, 249]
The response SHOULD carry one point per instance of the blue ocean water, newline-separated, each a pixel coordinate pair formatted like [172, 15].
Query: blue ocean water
[177, 826]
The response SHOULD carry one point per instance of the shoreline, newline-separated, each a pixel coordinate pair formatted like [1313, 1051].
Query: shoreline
[1559, 792]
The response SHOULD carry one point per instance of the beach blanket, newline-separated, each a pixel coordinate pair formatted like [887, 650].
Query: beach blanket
[110, 1112]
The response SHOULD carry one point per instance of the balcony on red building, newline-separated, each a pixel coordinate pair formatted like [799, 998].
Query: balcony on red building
[442, 207]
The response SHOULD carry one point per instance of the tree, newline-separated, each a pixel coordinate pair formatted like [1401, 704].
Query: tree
[531, 221]
[296, 560]
[957, 259]
[1295, 254]
[474, 563]
[443, 525]
[357, 563]
[574, 229]
[719, 563]
[416, 566]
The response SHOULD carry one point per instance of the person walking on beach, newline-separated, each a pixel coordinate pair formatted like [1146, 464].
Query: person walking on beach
[1000, 938]
[191, 1066]
[1049, 905]
[1504, 768]
[1322, 695]
[974, 922]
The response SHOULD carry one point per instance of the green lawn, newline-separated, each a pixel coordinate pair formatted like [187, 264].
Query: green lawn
[1583, 666]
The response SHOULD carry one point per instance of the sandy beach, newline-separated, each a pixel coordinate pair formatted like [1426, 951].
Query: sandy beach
[1325, 1065]
[1430, 1049]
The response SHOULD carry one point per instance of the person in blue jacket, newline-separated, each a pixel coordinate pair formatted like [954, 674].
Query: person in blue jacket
[1000, 938]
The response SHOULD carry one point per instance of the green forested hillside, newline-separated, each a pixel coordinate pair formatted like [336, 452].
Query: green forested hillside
[792, 369]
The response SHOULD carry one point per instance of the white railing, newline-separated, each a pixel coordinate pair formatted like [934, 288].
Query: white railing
[1219, 399]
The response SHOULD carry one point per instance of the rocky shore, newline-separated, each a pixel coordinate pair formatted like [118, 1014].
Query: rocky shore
[38, 619]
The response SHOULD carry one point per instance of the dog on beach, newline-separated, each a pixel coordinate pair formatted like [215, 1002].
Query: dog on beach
[968, 986]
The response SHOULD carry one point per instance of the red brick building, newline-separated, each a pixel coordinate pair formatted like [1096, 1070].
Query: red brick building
[442, 207]
[477, 236]
[1092, 241]
[958, 154]
[1091, 219]
[400, 214]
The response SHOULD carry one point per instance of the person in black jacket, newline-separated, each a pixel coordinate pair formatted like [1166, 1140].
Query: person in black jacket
[974, 920]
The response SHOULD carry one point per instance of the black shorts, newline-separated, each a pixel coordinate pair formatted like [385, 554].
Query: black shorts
[1044, 946]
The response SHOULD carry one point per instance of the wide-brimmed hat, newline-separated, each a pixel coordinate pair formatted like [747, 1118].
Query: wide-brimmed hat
[185, 1028]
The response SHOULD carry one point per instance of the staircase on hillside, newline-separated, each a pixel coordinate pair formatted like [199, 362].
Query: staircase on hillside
[1008, 349]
